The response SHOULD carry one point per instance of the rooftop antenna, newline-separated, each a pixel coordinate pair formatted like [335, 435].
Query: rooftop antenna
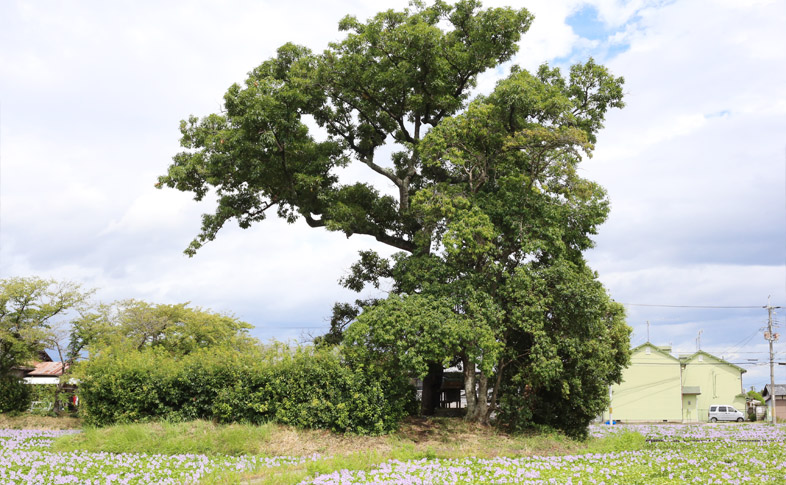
[698, 341]
[648, 330]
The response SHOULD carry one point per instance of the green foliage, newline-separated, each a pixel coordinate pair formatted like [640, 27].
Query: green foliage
[170, 438]
[125, 385]
[490, 211]
[404, 334]
[755, 395]
[301, 387]
[617, 442]
[571, 341]
[15, 395]
[33, 315]
[388, 78]
[44, 394]
[317, 390]
[177, 329]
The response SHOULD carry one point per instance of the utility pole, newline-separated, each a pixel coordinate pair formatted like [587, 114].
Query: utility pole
[771, 337]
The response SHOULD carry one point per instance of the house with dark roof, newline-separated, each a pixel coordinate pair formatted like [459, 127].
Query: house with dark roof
[779, 394]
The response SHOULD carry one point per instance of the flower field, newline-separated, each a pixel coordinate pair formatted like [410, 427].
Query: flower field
[25, 459]
[717, 453]
[727, 432]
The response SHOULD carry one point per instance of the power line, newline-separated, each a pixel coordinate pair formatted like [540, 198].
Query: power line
[690, 306]
[693, 364]
[742, 343]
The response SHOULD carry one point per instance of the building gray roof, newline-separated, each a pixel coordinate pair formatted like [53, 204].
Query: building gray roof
[780, 390]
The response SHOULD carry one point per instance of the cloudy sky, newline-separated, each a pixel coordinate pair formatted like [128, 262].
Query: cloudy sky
[92, 92]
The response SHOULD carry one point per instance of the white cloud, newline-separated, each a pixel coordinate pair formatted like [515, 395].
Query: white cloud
[154, 210]
[92, 92]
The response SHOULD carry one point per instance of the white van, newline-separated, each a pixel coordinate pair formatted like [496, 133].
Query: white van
[721, 412]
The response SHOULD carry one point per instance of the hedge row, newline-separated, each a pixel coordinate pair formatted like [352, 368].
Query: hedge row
[300, 387]
[14, 395]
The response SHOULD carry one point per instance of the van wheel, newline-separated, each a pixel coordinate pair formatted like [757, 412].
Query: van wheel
[739, 420]
[713, 420]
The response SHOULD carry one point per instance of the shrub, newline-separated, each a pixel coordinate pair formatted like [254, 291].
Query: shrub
[44, 394]
[14, 395]
[315, 389]
[128, 385]
[301, 387]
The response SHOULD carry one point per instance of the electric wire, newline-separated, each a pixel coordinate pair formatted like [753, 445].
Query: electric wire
[725, 307]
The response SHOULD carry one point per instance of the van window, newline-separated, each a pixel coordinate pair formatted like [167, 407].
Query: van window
[713, 409]
[732, 410]
[722, 409]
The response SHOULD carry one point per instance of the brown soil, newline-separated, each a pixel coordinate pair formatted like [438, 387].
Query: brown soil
[442, 436]
[30, 421]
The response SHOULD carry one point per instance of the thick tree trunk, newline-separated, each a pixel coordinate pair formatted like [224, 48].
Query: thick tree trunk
[481, 414]
[469, 386]
[476, 391]
[495, 394]
[432, 383]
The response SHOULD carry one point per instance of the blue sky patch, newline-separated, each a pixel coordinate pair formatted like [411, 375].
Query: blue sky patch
[585, 23]
[720, 114]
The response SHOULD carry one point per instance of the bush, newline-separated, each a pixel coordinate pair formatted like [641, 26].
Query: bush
[44, 394]
[317, 390]
[14, 395]
[301, 387]
[127, 386]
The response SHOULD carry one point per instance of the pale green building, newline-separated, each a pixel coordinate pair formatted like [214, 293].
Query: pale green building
[717, 382]
[659, 387]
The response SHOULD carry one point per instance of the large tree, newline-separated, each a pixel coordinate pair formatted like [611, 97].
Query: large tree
[487, 196]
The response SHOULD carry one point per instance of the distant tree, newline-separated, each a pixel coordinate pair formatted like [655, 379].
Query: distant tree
[488, 208]
[178, 329]
[34, 314]
[32, 310]
[755, 395]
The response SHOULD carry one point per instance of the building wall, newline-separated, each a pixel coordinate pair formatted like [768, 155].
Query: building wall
[690, 409]
[780, 408]
[720, 383]
[650, 388]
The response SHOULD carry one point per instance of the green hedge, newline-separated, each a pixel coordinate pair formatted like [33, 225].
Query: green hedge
[14, 395]
[301, 387]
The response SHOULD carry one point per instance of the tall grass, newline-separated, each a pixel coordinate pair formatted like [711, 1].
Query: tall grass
[201, 437]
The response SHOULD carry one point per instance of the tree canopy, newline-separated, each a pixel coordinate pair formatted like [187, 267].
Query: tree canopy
[388, 81]
[33, 312]
[176, 329]
[488, 208]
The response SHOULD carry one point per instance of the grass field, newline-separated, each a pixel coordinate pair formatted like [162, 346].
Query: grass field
[439, 450]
